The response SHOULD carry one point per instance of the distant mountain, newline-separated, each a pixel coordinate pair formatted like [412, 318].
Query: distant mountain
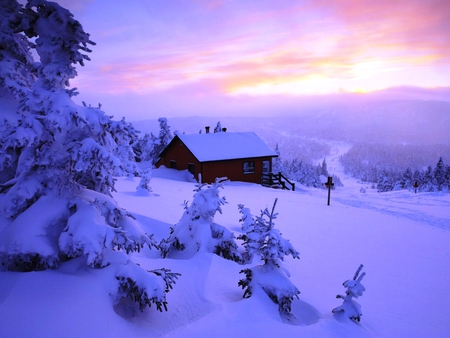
[384, 121]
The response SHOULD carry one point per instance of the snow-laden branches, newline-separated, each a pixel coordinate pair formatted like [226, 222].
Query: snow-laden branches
[261, 239]
[144, 287]
[59, 159]
[196, 231]
[354, 289]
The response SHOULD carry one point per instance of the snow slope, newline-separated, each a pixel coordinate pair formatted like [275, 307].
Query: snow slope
[402, 239]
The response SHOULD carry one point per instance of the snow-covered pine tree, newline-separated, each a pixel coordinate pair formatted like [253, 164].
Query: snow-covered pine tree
[354, 289]
[277, 163]
[447, 177]
[385, 182]
[143, 148]
[144, 187]
[125, 136]
[17, 73]
[262, 240]
[324, 168]
[58, 165]
[417, 178]
[218, 128]
[439, 175]
[247, 219]
[428, 180]
[407, 181]
[196, 231]
[164, 137]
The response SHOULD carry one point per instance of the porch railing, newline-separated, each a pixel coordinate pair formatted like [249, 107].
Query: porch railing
[277, 181]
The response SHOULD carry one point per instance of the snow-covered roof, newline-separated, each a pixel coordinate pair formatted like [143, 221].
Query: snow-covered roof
[225, 146]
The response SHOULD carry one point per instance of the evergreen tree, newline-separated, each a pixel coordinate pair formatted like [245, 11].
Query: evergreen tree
[17, 73]
[324, 169]
[164, 138]
[61, 158]
[354, 289]
[196, 231]
[144, 187]
[125, 136]
[417, 178]
[439, 175]
[277, 165]
[144, 148]
[385, 182]
[447, 177]
[407, 180]
[218, 128]
[262, 240]
[428, 180]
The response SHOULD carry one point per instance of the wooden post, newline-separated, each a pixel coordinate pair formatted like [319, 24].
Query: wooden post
[329, 185]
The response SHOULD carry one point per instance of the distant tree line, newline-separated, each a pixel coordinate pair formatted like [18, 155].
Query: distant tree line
[431, 179]
[385, 166]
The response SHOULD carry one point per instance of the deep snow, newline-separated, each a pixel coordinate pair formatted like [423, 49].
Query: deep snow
[402, 239]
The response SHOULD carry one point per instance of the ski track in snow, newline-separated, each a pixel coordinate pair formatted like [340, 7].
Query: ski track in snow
[443, 223]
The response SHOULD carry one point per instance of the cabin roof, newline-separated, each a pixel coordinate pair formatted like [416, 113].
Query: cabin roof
[226, 146]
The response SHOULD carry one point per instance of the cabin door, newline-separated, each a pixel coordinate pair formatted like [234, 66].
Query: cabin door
[191, 168]
[266, 167]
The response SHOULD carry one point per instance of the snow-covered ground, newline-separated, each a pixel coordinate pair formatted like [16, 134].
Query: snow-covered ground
[402, 238]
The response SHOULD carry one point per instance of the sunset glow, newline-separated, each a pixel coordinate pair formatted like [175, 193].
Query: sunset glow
[254, 48]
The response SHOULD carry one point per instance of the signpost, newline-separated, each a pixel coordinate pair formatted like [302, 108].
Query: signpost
[329, 184]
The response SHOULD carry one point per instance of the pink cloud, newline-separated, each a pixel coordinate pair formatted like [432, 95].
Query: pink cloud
[237, 45]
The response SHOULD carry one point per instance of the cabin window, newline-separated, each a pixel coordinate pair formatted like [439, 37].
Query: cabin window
[173, 164]
[191, 168]
[248, 167]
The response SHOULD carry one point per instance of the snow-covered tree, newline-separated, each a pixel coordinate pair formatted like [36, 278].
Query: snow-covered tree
[144, 148]
[447, 177]
[262, 240]
[385, 182]
[218, 128]
[58, 165]
[196, 231]
[407, 180]
[324, 169]
[439, 175]
[17, 73]
[277, 165]
[136, 287]
[144, 187]
[428, 181]
[125, 136]
[163, 139]
[354, 289]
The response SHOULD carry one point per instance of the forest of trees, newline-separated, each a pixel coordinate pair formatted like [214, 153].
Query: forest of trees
[394, 167]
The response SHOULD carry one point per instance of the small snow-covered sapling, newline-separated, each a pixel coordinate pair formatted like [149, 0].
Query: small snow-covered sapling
[262, 240]
[354, 289]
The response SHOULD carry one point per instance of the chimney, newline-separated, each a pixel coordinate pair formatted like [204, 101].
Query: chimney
[207, 129]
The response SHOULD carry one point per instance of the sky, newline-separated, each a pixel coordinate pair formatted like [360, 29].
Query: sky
[211, 57]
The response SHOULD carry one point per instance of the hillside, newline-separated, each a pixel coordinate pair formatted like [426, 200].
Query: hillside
[400, 237]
